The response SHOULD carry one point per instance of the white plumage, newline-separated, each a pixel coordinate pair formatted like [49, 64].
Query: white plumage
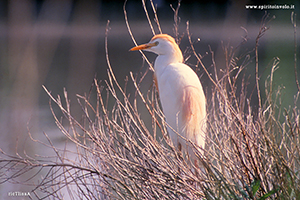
[180, 91]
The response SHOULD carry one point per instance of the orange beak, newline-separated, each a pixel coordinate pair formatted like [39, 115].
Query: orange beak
[143, 46]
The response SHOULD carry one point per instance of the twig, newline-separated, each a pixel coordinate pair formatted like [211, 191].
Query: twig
[293, 20]
[262, 30]
[132, 37]
[156, 17]
[176, 21]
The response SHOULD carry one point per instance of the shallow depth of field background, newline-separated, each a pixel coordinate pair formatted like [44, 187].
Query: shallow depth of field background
[60, 44]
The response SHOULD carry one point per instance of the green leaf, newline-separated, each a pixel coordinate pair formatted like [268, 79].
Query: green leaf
[255, 185]
[268, 194]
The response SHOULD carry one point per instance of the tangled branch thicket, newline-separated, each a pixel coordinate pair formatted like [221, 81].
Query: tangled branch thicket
[249, 154]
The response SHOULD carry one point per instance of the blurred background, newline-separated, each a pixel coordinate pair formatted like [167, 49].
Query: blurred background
[60, 44]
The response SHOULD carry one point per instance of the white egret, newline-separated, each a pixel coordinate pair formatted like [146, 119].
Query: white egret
[180, 91]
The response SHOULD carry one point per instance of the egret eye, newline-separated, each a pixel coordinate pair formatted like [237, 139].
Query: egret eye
[156, 43]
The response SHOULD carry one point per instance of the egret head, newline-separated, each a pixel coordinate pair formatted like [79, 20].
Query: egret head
[161, 44]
